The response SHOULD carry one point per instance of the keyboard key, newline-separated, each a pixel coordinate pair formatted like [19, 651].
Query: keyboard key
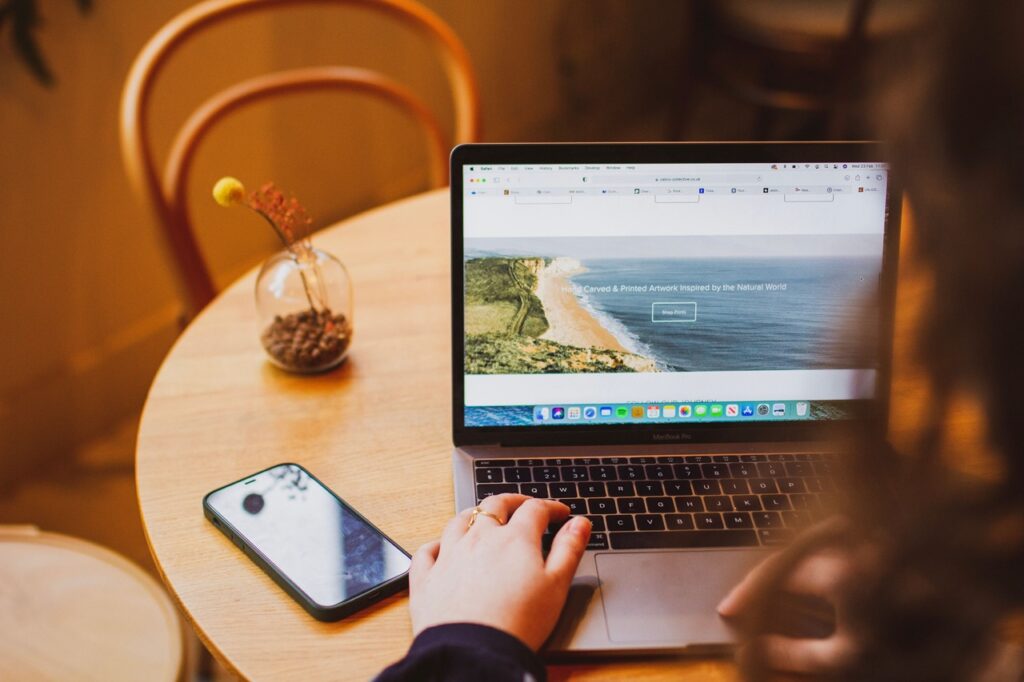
[489, 475]
[558, 462]
[631, 473]
[775, 502]
[803, 501]
[818, 484]
[742, 470]
[708, 521]
[602, 473]
[747, 503]
[546, 474]
[770, 469]
[697, 459]
[585, 461]
[577, 505]
[774, 536]
[671, 459]
[592, 490]
[536, 490]
[686, 471]
[601, 505]
[714, 470]
[753, 458]
[621, 489]
[796, 519]
[689, 504]
[798, 469]
[763, 486]
[484, 490]
[613, 460]
[658, 472]
[649, 522]
[631, 505]
[679, 521]
[725, 458]
[649, 488]
[620, 523]
[530, 462]
[707, 487]
[596, 523]
[780, 458]
[792, 485]
[660, 505]
[823, 468]
[678, 488]
[735, 486]
[559, 490]
[718, 503]
[518, 475]
[683, 539]
[767, 519]
[575, 474]
[487, 463]
[738, 520]
[598, 540]
[641, 460]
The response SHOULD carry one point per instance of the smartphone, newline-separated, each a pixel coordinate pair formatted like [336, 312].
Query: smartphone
[320, 550]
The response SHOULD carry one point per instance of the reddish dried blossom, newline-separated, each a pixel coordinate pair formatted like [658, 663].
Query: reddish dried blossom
[287, 214]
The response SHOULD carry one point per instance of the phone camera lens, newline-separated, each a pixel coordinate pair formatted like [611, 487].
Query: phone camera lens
[253, 503]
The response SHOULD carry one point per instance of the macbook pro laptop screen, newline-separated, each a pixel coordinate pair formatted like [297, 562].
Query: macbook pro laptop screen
[660, 293]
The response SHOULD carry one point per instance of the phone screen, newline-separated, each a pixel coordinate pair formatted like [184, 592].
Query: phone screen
[312, 537]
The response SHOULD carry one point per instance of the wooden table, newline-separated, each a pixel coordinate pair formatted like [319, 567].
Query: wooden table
[376, 430]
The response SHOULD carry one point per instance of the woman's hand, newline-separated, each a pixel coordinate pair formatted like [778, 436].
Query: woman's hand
[495, 574]
[820, 575]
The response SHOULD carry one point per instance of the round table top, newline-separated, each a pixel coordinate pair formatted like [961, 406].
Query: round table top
[70, 609]
[377, 431]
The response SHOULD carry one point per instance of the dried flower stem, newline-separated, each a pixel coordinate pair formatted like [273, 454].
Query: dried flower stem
[290, 223]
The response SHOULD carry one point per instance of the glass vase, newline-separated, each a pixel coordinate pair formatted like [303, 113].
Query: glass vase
[304, 301]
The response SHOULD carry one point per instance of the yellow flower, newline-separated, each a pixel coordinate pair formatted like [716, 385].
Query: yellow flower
[228, 191]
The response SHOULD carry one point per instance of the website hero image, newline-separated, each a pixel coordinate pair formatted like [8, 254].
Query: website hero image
[612, 307]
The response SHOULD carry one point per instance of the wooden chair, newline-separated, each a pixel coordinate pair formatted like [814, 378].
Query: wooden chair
[166, 193]
[75, 610]
[803, 56]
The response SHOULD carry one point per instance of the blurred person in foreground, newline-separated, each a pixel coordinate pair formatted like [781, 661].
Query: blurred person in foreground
[924, 564]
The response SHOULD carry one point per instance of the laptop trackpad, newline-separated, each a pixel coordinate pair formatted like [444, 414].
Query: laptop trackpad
[670, 597]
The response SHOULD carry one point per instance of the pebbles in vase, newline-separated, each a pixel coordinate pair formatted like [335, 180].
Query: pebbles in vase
[308, 340]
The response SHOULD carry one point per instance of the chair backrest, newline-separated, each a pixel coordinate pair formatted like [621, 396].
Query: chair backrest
[166, 193]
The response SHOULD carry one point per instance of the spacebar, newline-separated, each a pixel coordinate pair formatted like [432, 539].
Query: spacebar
[677, 539]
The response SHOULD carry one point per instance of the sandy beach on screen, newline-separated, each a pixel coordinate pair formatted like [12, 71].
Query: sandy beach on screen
[569, 322]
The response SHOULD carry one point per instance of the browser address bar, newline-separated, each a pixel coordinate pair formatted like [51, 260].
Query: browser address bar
[726, 178]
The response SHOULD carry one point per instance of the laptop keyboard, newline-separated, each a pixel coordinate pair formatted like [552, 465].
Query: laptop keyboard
[692, 501]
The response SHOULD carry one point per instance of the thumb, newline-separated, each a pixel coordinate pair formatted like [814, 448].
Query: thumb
[567, 549]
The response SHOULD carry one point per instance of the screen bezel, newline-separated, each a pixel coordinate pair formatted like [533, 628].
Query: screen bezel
[668, 152]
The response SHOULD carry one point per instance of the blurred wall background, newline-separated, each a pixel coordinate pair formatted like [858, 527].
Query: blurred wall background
[90, 306]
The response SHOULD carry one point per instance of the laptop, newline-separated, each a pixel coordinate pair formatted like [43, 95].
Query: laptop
[665, 337]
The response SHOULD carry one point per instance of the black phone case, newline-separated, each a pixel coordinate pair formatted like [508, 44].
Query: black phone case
[326, 613]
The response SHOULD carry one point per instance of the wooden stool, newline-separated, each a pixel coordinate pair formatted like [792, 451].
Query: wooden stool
[70, 609]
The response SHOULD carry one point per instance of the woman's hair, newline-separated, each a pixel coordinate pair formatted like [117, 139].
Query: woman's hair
[939, 554]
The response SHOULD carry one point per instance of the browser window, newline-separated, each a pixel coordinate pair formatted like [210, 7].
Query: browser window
[652, 293]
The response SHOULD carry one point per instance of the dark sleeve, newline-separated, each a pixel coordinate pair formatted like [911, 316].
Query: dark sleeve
[466, 652]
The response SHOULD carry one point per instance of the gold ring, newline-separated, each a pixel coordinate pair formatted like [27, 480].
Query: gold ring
[477, 511]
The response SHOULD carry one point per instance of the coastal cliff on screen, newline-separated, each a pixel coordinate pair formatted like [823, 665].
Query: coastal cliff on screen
[667, 304]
